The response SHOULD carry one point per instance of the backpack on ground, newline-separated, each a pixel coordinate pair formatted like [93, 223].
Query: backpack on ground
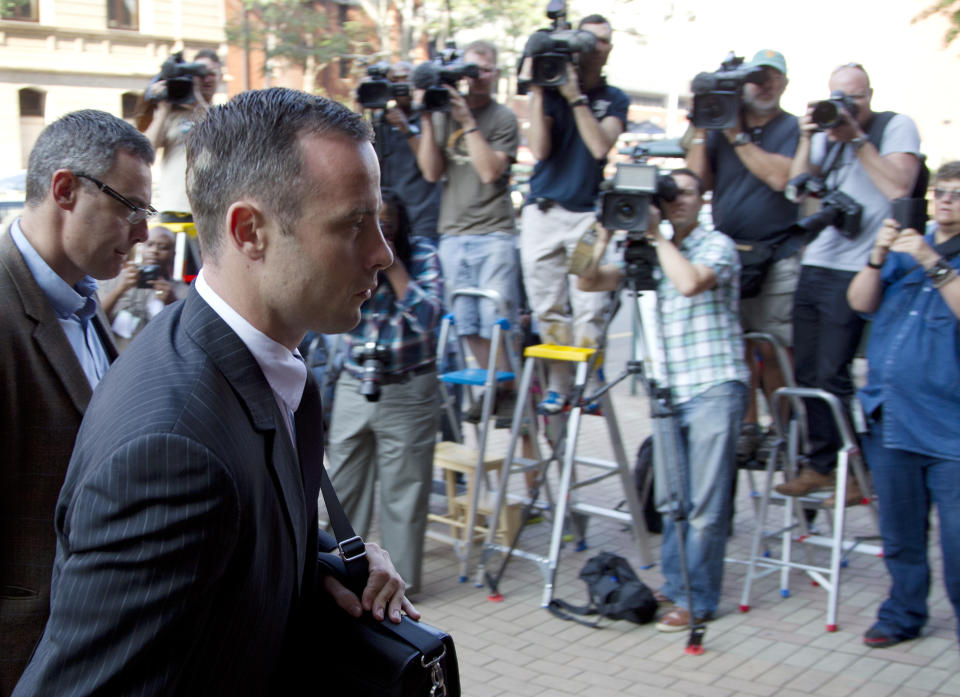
[614, 591]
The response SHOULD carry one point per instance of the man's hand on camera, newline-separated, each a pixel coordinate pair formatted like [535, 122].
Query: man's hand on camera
[129, 276]
[570, 90]
[807, 125]
[653, 234]
[395, 117]
[459, 110]
[848, 129]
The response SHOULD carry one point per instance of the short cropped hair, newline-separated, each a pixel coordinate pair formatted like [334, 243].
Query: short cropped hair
[82, 141]
[250, 147]
[208, 53]
[950, 170]
[481, 46]
[693, 175]
[592, 19]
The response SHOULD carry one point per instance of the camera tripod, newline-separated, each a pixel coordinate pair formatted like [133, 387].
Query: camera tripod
[649, 366]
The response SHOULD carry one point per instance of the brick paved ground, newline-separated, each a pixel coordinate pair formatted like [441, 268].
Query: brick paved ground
[515, 648]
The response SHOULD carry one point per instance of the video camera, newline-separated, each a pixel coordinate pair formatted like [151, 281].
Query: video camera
[177, 76]
[374, 360]
[718, 97]
[552, 49]
[446, 69]
[829, 113]
[624, 204]
[376, 90]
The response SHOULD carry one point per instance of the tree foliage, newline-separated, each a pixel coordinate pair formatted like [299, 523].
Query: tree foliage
[949, 9]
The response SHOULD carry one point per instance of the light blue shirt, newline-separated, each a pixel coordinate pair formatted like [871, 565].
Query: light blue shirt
[74, 306]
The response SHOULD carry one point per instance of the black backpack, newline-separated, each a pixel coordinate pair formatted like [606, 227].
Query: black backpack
[875, 136]
[614, 591]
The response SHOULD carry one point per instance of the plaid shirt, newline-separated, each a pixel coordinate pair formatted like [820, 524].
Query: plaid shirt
[702, 334]
[405, 327]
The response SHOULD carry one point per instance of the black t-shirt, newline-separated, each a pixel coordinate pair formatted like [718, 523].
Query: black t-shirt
[744, 207]
[399, 171]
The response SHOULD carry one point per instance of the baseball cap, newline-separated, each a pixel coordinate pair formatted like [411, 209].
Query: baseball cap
[770, 57]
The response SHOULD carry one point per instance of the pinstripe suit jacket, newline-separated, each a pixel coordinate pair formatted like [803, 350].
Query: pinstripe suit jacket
[44, 393]
[186, 545]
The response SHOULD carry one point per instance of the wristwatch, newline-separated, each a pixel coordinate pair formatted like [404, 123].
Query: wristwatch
[858, 142]
[940, 273]
[741, 139]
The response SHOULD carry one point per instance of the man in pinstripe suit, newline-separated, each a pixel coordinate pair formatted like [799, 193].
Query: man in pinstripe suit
[187, 525]
[55, 341]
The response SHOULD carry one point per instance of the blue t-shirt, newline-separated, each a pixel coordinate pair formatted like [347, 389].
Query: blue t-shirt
[571, 176]
[744, 207]
[399, 171]
[914, 362]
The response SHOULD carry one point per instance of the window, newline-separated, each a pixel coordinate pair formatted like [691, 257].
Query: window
[19, 9]
[128, 106]
[123, 14]
[32, 103]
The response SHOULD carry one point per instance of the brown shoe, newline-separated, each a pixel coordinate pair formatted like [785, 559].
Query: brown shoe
[854, 496]
[808, 480]
[677, 620]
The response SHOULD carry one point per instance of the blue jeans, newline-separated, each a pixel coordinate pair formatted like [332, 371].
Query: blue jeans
[488, 262]
[907, 484]
[707, 426]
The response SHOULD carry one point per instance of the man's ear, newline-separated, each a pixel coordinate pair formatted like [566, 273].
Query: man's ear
[63, 188]
[245, 229]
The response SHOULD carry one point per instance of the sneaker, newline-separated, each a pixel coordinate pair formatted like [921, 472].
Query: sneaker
[748, 442]
[876, 638]
[592, 409]
[677, 620]
[552, 404]
[807, 481]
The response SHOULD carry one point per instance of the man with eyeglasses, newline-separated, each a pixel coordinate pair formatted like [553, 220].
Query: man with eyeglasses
[875, 159]
[910, 285]
[572, 129]
[87, 203]
[748, 167]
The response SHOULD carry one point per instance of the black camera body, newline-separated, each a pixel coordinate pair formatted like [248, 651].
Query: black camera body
[718, 96]
[374, 360]
[837, 209]
[178, 76]
[148, 274]
[551, 50]
[804, 185]
[376, 91]
[829, 112]
[433, 77]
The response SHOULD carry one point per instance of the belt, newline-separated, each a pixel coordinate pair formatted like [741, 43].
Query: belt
[407, 375]
[544, 204]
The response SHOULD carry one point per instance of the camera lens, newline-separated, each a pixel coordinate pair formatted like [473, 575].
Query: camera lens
[826, 114]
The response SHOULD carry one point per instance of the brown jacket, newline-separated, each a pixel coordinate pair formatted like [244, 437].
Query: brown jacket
[43, 394]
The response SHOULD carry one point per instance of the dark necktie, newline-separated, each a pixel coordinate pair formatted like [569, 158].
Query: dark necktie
[308, 424]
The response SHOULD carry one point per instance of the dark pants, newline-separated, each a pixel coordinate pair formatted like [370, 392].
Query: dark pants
[826, 333]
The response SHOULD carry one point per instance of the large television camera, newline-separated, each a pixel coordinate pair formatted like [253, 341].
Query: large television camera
[376, 91]
[433, 76]
[177, 76]
[551, 50]
[718, 96]
[624, 204]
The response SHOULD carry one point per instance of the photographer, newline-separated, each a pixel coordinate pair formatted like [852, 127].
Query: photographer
[166, 125]
[747, 167]
[875, 160]
[572, 128]
[471, 150]
[910, 285]
[392, 438]
[141, 291]
[397, 146]
[697, 291]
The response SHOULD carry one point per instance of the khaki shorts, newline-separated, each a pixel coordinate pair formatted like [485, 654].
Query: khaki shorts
[771, 311]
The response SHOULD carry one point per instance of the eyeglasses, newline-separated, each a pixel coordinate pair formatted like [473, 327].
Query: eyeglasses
[950, 195]
[136, 215]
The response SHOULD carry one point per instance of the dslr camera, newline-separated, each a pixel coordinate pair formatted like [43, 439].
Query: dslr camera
[376, 90]
[836, 208]
[624, 204]
[148, 274]
[177, 76]
[552, 49]
[446, 69]
[718, 96]
[374, 361]
[829, 113]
